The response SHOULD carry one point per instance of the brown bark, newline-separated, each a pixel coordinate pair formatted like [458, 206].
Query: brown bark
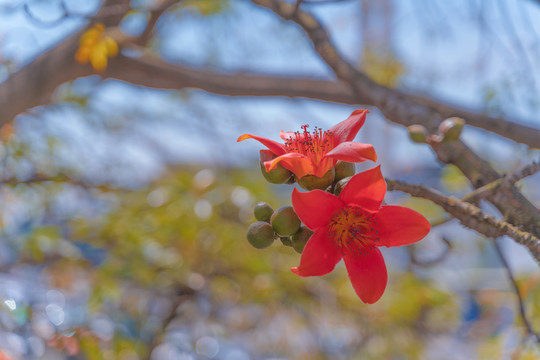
[405, 110]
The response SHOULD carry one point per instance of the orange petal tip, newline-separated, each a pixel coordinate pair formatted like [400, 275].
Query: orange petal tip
[243, 137]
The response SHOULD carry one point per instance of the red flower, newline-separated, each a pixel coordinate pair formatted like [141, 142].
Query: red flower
[351, 226]
[316, 153]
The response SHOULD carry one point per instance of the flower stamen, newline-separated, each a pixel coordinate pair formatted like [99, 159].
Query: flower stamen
[352, 230]
[313, 145]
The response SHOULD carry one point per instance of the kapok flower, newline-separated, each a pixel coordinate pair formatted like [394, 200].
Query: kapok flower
[351, 227]
[316, 153]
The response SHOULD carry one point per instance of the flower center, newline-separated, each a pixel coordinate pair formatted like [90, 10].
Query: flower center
[313, 145]
[352, 229]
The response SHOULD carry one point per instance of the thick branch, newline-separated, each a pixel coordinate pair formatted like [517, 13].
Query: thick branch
[168, 76]
[404, 109]
[33, 84]
[397, 106]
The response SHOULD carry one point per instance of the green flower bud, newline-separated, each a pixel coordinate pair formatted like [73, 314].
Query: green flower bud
[312, 182]
[340, 185]
[285, 240]
[260, 234]
[300, 239]
[451, 128]
[284, 221]
[278, 175]
[263, 211]
[418, 133]
[344, 169]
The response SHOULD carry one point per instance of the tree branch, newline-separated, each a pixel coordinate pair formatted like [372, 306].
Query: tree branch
[508, 128]
[168, 76]
[33, 84]
[397, 106]
[508, 180]
[403, 109]
[520, 303]
[469, 215]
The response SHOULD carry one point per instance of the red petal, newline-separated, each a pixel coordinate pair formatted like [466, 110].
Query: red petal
[300, 165]
[368, 274]
[353, 152]
[266, 155]
[365, 189]
[315, 208]
[323, 166]
[399, 226]
[286, 134]
[320, 255]
[347, 129]
[275, 147]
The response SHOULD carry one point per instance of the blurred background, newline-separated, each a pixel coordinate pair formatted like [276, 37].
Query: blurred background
[124, 209]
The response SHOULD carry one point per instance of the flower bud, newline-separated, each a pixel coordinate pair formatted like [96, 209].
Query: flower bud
[340, 185]
[300, 239]
[451, 128]
[312, 182]
[286, 240]
[284, 221]
[344, 169]
[418, 133]
[263, 211]
[278, 175]
[260, 234]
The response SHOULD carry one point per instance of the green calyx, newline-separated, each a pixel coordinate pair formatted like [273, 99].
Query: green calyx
[284, 221]
[344, 169]
[260, 234]
[451, 128]
[278, 175]
[312, 182]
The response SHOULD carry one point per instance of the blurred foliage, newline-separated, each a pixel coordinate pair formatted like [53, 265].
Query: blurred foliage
[92, 269]
[453, 180]
[206, 7]
[382, 67]
[171, 262]
[165, 271]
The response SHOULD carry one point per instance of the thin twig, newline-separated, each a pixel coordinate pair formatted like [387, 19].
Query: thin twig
[521, 306]
[435, 260]
[297, 5]
[113, 10]
[155, 15]
[470, 215]
[508, 180]
[183, 293]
